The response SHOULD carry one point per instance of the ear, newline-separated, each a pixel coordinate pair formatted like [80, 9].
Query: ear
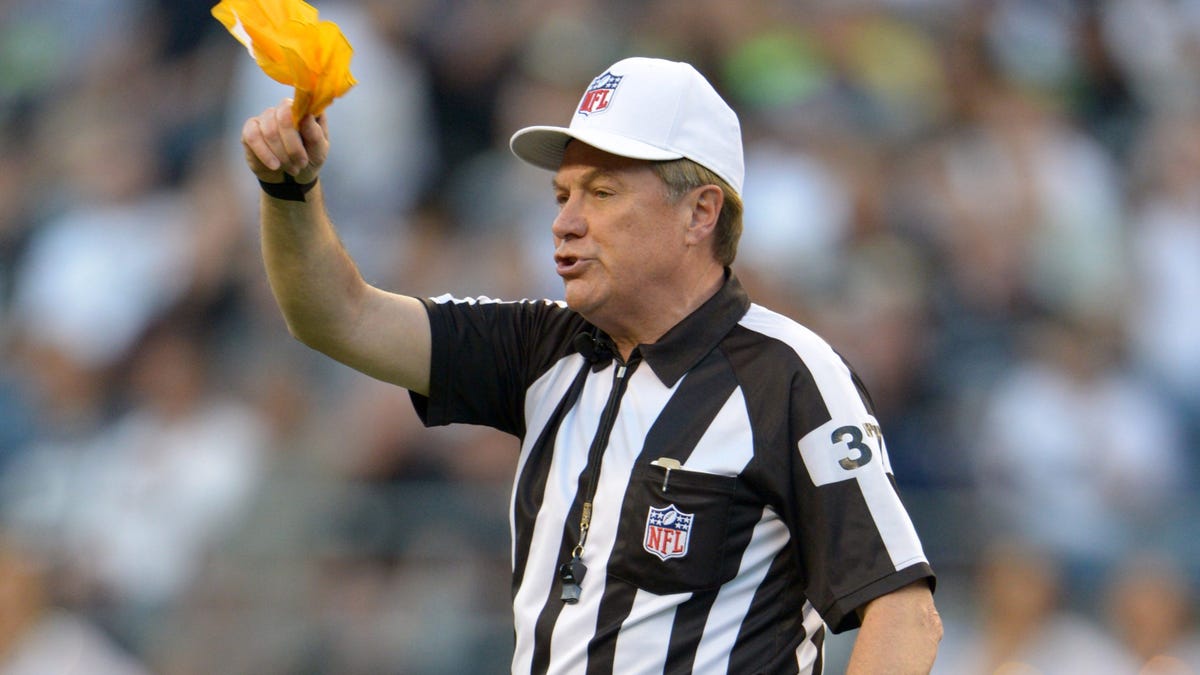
[706, 203]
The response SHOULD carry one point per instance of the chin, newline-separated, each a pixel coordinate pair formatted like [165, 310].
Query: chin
[575, 302]
[579, 298]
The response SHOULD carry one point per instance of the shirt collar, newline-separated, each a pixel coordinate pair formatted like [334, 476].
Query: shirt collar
[690, 340]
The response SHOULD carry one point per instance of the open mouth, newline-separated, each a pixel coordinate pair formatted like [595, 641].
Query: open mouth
[567, 264]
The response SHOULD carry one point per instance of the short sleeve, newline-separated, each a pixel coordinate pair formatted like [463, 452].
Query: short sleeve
[853, 531]
[485, 354]
[821, 460]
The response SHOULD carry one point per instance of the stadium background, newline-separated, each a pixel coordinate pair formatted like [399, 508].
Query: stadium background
[992, 208]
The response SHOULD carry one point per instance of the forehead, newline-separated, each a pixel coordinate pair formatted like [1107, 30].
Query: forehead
[581, 162]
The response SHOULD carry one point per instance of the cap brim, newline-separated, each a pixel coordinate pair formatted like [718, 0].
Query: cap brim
[543, 147]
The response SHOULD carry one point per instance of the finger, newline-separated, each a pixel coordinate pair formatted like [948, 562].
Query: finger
[269, 123]
[293, 145]
[315, 134]
[270, 135]
[275, 138]
[314, 130]
[258, 153]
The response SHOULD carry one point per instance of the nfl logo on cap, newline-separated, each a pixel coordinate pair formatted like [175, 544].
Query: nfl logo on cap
[667, 532]
[665, 110]
[599, 94]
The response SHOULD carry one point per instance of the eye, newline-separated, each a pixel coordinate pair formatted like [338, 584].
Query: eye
[560, 199]
[601, 193]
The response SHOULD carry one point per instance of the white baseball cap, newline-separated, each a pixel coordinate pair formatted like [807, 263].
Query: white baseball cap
[649, 109]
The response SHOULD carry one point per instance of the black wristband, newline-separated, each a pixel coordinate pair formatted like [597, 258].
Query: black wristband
[289, 189]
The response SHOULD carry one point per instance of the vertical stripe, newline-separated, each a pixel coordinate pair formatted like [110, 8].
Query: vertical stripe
[552, 606]
[736, 599]
[567, 455]
[615, 607]
[756, 536]
[729, 415]
[676, 431]
[810, 655]
[727, 446]
[780, 626]
[689, 415]
[848, 406]
[690, 618]
[641, 644]
[609, 465]
[773, 622]
[577, 624]
[817, 644]
[534, 462]
[895, 527]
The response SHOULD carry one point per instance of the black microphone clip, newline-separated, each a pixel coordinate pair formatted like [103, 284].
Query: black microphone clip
[594, 349]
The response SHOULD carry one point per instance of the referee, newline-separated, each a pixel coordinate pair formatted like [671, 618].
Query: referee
[702, 484]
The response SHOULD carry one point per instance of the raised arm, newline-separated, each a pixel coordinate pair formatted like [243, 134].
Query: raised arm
[325, 301]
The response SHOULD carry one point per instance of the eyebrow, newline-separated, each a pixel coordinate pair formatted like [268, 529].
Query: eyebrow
[589, 177]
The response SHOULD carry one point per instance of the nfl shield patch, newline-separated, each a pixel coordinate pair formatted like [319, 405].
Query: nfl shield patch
[599, 94]
[667, 532]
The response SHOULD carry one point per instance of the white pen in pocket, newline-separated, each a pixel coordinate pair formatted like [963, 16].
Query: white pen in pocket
[668, 464]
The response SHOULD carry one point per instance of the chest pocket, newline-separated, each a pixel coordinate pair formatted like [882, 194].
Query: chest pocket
[675, 534]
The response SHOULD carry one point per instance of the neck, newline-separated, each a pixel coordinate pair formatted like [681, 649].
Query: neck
[655, 323]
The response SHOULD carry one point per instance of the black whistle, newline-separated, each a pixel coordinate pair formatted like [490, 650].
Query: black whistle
[571, 574]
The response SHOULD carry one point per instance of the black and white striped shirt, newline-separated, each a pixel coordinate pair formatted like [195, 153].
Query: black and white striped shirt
[741, 493]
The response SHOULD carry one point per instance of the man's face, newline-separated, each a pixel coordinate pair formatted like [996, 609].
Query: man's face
[618, 237]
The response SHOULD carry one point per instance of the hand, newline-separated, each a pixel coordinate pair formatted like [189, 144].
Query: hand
[274, 146]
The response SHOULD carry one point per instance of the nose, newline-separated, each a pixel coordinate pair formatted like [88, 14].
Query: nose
[570, 221]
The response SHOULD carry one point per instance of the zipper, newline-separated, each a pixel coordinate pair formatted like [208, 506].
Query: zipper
[571, 573]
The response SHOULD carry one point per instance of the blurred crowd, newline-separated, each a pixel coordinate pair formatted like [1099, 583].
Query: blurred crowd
[990, 207]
